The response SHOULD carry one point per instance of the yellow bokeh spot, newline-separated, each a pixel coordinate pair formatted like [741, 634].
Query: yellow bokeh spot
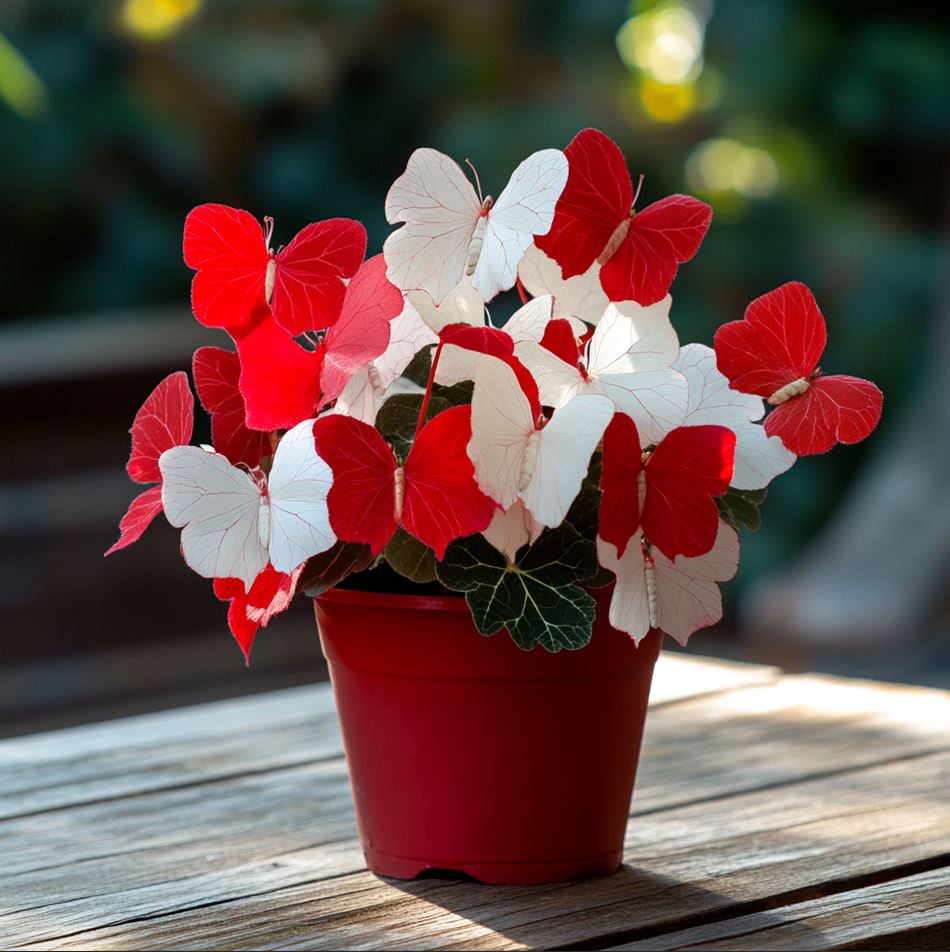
[156, 19]
[665, 44]
[663, 102]
[20, 87]
[727, 165]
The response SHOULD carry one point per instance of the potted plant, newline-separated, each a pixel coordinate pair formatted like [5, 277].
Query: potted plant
[568, 485]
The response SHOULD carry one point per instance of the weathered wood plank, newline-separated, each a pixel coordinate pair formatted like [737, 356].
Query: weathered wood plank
[206, 742]
[704, 859]
[912, 912]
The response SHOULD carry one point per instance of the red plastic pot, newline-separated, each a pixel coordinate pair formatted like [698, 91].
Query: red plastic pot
[466, 753]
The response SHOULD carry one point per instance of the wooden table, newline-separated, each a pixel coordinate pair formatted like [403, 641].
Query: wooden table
[771, 812]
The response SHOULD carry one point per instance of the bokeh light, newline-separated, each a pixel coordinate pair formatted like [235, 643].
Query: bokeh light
[727, 165]
[20, 86]
[663, 48]
[156, 19]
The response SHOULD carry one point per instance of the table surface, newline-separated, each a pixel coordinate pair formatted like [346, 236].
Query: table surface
[771, 812]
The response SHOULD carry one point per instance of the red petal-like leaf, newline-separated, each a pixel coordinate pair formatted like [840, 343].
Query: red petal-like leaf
[217, 372]
[308, 284]
[164, 420]
[280, 380]
[660, 239]
[270, 594]
[833, 409]
[226, 247]
[780, 340]
[690, 466]
[144, 508]
[560, 340]
[597, 197]
[620, 482]
[362, 331]
[482, 340]
[362, 499]
[442, 500]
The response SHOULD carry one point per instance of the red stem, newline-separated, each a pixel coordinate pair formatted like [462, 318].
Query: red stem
[521, 291]
[425, 399]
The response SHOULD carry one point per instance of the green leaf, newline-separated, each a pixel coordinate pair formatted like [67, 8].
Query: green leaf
[329, 568]
[584, 518]
[419, 367]
[740, 507]
[410, 557]
[536, 599]
[398, 416]
[458, 395]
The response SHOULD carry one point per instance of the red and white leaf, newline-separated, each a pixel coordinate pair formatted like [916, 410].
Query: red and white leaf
[143, 509]
[217, 373]
[163, 421]
[759, 457]
[629, 360]
[271, 594]
[686, 591]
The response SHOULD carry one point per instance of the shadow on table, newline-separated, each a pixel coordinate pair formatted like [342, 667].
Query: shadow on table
[633, 908]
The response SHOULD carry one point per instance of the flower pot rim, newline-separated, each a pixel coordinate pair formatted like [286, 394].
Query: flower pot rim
[445, 603]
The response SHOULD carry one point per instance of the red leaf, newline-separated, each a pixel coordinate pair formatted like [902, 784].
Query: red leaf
[560, 340]
[780, 341]
[362, 500]
[690, 467]
[217, 372]
[280, 380]
[442, 498]
[362, 331]
[620, 481]
[164, 420]
[687, 470]
[661, 238]
[597, 197]
[270, 594]
[144, 508]
[482, 340]
[308, 285]
[595, 207]
[833, 409]
[226, 247]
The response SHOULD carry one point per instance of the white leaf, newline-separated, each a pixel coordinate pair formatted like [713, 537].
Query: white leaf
[440, 210]
[580, 298]
[510, 529]
[687, 593]
[565, 447]
[629, 361]
[759, 458]
[524, 209]
[218, 507]
[297, 486]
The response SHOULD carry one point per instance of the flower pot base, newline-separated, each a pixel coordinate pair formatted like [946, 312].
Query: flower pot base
[401, 867]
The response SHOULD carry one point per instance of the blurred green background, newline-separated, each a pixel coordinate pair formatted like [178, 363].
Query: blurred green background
[818, 131]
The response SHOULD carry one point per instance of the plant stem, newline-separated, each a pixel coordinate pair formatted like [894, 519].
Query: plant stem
[425, 399]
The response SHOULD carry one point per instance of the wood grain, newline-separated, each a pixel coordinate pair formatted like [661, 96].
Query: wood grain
[786, 810]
